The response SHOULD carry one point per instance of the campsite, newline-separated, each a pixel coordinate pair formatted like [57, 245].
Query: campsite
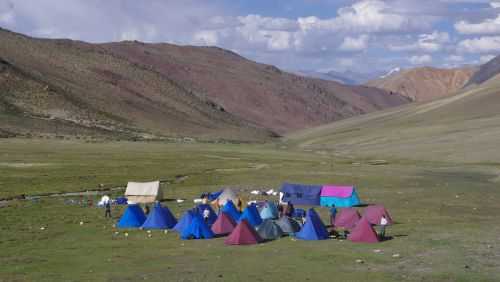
[443, 229]
[253, 140]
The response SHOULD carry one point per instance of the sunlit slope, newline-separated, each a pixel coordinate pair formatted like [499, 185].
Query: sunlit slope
[461, 128]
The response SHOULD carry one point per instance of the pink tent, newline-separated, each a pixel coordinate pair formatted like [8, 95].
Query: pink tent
[347, 218]
[363, 232]
[243, 234]
[374, 214]
[336, 191]
[223, 225]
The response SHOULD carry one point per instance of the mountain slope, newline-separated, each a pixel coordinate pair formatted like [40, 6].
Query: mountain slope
[463, 128]
[259, 93]
[486, 72]
[134, 89]
[46, 83]
[426, 83]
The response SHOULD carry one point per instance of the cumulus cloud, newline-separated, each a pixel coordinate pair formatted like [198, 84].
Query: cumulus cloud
[420, 60]
[365, 16]
[432, 42]
[455, 58]
[354, 43]
[488, 26]
[485, 44]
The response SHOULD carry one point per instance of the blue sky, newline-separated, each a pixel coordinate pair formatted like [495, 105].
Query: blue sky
[361, 35]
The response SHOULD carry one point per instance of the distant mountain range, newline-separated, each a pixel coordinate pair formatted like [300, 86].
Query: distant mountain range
[425, 83]
[138, 90]
[347, 77]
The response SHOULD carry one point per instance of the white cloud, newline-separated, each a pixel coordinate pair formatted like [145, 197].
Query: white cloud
[420, 60]
[485, 44]
[364, 16]
[488, 26]
[354, 43]
[495, 4]
[432, 42]
[7, 16]
[206, 37]
[486, 58]
[455, 58]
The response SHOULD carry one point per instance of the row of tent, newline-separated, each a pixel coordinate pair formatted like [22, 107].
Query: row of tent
[317, 195]
[253, 225]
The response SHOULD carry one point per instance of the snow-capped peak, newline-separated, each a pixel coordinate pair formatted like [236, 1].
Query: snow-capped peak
[391, 72]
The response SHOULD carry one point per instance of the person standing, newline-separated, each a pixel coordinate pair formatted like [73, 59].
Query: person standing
[206, 215]
[383, 224]
[107, 206]
[333, 214]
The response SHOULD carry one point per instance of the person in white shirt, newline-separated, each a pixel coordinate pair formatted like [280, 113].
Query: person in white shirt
[206, 214]
[383, 224]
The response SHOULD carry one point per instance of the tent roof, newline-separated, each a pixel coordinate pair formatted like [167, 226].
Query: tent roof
[197, 229]
[269, 211]
[363, 232]
[143, 188]
[337, 191]
[374, 214]
[160, 218]
[133, 217]
[313, 229]
[143, 192]
[224, 224]
[227, 194]
[184, 221]
[288, 225]
[347, 218]
[252, 215]
[300, 194]
[230, 209]
[243, 234]
[269, 230]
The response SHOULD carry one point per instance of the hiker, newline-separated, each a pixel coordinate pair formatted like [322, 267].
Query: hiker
[289, 209]
[206, 215]
[333, 213]
[146, 209]
[107, 206]
[280, 210]
[383, 224]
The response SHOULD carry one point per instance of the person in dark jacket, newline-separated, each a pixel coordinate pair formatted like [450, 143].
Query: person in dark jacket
[107, 206]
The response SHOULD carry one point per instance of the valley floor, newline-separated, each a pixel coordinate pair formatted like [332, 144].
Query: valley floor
[446, 212]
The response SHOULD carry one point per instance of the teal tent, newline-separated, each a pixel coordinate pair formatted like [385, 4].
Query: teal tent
[269, 211]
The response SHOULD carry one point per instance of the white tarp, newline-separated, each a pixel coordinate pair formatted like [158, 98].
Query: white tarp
[143, 192]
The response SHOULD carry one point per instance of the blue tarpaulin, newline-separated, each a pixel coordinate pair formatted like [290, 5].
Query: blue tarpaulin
[301, 194]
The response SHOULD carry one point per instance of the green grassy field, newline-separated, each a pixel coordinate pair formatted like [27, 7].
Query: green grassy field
[446, 212]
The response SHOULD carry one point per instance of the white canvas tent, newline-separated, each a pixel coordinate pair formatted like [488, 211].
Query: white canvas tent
[143, 192]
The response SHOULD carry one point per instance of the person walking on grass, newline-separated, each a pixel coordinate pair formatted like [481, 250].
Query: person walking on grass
[383, 224]
[107, 206]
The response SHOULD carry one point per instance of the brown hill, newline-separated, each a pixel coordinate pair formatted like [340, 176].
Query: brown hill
[426, 83]
[135, 89]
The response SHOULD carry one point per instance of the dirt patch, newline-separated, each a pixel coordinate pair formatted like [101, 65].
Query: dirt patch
[23, 165]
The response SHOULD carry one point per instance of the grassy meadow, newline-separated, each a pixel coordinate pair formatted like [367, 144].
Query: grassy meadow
[446, 212]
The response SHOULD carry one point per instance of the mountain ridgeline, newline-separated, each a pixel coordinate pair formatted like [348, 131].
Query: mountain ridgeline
[131, 90]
